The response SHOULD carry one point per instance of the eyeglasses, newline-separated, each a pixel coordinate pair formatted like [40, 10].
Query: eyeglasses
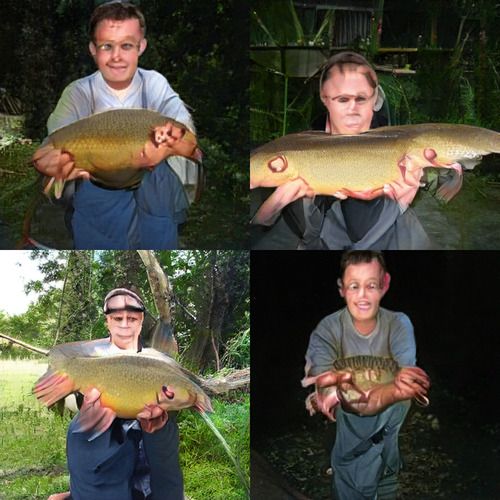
[370, 287]
[345, 99]
[118, 319]
[124, 47]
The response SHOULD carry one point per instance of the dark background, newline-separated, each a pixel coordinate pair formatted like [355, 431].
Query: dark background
[452, 299]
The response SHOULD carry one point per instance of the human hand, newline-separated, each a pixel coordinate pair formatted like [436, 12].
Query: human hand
[55, 163]
[404, 189]
[152, 418]
[368, 194]
[325, 399]
[92, 415]
[173, 138]
[412, 382]
[282, 196]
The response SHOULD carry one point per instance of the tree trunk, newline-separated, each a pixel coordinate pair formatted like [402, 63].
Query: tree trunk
[205, 344]
[162, 337]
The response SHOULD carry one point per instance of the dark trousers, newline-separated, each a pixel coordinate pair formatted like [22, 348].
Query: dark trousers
[103, 469]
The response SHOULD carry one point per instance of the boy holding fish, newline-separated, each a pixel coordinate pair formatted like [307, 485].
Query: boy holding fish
[130, 459]
[108, 218]
[349, 90]
[365, 457]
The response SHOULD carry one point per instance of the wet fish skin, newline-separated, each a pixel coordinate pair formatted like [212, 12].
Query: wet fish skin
[356, 376]
[368, 161]
[109, 144]
[127, 381]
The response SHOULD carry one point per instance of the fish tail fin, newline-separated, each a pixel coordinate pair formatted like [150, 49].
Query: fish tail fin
[451, 187]
[53, 386]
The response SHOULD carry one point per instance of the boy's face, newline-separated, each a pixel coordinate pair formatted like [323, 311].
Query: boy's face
[116, 50]
[363, 286]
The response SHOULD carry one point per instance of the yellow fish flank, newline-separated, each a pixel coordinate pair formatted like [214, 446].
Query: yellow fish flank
[126, 381]
[110, 145]
[329, 163]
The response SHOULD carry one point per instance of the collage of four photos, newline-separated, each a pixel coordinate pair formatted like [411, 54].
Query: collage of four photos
[249, 250]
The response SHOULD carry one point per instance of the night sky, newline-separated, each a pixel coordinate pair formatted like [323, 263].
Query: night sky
[452, 299]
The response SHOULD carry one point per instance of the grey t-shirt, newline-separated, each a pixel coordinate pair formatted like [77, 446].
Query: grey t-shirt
[336, 337]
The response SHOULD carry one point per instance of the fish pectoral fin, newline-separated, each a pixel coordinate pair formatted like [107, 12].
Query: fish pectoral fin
[470, 163]
[52, 387]
[450, 187]
[203, 404]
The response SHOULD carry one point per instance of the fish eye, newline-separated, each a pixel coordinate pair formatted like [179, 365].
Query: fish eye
[169, 394]
[277, 164]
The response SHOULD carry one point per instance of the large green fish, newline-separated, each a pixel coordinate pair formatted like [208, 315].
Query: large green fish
[116, 146]
[366, 162]
[127, 381]
[352, 380]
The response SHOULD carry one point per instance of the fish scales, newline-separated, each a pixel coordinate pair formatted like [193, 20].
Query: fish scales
[326, 161]
[367, 371]
[127, 381]
[366, 161]
[366, 361]
[107, 144]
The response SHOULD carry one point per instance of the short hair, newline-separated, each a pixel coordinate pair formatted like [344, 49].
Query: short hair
[116, 11]
[354, 257]
[348, 61]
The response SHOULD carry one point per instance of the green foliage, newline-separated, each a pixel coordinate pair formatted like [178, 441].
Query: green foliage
[237, 353]
[17, 187]
[223, 279]
[461, 85]
[75, 282]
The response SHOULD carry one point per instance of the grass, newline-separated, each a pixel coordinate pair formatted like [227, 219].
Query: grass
[32, 442]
